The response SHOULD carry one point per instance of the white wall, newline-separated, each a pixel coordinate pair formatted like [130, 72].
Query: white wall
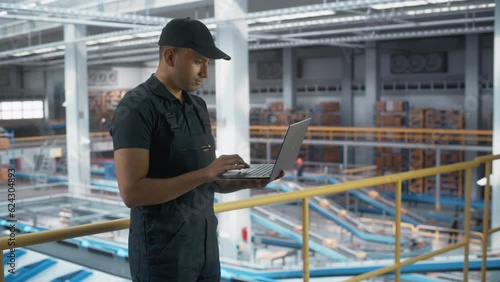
[321, 69]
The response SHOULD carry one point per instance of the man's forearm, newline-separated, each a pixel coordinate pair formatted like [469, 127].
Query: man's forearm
[152, 191]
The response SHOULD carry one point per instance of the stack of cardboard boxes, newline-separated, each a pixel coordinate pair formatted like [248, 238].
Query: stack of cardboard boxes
[392, 114]
[4, 171]
[326, 114]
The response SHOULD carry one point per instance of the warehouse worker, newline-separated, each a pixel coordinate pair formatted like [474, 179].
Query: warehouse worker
[166, 166]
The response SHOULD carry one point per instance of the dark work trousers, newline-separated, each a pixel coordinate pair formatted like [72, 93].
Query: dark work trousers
[177, 241]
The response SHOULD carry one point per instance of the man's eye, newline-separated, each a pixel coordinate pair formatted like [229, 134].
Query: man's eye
[197, 62]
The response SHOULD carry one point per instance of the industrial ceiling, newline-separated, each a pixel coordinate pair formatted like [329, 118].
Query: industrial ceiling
[126, 31]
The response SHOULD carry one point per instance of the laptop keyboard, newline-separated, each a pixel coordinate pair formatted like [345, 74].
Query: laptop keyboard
[258, 170]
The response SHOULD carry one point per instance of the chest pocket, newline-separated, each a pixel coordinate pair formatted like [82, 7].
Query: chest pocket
[190, 152]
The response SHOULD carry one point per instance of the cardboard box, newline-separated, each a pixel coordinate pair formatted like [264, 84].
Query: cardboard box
[399, 106]
[380, 106]
[329, 106]
[276, 106]
[4, 174]
[4, 143]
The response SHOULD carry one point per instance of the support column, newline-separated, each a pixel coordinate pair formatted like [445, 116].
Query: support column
[472, 99]
[233, 107]
[372, 93]
[77, 109]
[495, 204]
[289, 79]
[372, 82]
[346, 104]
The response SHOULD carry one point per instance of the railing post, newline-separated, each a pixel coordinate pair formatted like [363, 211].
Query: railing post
[305, 238]
[397, 255]
[468, 176]
[486, 217]
[2, 277]
[438, 180]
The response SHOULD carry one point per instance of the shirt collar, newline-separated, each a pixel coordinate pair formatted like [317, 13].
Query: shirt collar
[159, 89]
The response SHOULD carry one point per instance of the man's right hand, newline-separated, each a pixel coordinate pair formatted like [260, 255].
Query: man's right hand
[224, 164]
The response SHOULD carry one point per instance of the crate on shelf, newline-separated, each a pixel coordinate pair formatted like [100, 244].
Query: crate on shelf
[400, 106]
[450, 119]
[7, 145]
[4, 143]
[331, 154]
[326, 114]
[329, 106]
[392, 114]
[380, 106]
[453, 181]
[278, 118]
[296, 116]
[4, 173]
[276, 106]
[417, 186]
[330, 119]
[259, 116]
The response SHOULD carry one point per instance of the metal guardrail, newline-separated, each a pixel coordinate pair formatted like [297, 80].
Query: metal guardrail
[304, 195]
[381, 134]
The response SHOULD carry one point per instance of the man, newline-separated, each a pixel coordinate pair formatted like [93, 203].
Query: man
[166, 165]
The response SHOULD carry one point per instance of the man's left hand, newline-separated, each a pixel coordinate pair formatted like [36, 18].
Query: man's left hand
[247, 183]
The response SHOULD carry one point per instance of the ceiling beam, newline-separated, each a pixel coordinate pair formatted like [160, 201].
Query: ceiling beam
[52, 19]
[326, 41]
[373, 18]
[83, 14]
[374, 37]
[388, 27]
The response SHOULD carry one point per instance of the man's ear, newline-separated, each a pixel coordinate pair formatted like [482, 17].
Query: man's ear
[168, 55]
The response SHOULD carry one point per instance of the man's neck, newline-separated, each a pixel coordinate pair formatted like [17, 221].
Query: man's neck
[166, 82]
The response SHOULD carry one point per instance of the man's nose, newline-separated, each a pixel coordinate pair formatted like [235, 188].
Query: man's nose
[204, 71]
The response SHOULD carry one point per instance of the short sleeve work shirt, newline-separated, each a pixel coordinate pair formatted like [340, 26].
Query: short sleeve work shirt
[145, 116]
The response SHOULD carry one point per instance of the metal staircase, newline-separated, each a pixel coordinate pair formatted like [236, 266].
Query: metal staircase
[45, 164]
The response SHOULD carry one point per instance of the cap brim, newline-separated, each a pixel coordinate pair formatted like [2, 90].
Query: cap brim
[211, 52]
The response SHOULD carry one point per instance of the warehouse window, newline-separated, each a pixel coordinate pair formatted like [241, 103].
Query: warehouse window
[21, 110]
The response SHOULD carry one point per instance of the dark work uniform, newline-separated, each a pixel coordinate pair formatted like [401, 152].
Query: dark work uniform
[173, 241]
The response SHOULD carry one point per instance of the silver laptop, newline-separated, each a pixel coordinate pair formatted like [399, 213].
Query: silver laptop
[287, 156]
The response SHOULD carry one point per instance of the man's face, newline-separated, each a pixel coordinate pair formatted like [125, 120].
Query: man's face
[191, 69]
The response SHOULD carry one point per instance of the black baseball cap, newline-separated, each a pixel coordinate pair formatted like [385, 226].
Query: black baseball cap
[190, 33]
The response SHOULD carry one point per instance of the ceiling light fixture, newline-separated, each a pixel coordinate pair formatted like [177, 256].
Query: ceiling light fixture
[148, 34]
[396, 5]
[449, 9]
[44, 50]
[327, 21]
[292, 16]
[114, 38]
[22, 54]
[44, 2]
[28, 6]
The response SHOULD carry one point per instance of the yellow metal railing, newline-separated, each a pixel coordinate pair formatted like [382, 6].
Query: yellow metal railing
[404, 135]
[304, 195]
